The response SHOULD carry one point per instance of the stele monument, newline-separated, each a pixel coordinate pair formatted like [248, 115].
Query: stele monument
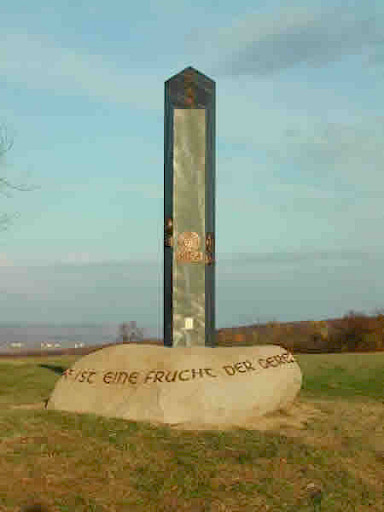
[189, 381]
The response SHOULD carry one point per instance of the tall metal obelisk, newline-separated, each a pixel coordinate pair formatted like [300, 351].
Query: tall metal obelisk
[189, 210]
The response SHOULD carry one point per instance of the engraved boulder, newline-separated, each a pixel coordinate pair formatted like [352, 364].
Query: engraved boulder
[222, 386]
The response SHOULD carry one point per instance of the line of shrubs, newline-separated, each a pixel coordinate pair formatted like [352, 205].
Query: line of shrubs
[355, 332]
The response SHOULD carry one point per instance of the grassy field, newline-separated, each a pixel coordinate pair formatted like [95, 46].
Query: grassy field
[78, 463]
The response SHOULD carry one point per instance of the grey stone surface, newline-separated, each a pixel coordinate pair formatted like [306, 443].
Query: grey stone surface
[189, 210]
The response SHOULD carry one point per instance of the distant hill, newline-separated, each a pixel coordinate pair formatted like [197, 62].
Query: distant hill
[353, 332]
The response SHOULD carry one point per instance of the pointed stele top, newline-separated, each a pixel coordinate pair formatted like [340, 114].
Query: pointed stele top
[190, 89]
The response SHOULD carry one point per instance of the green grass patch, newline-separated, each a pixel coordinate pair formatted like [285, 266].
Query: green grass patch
[342, 375]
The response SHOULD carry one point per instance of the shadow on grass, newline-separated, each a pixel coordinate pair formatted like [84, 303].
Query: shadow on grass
[54, 368]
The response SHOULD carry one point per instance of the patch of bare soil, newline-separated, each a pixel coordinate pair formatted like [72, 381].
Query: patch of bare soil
[289, 421]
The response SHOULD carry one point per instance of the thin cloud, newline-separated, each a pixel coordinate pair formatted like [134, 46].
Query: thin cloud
[77, 258]
[262, 285]
[261, 45]
[147, 190]
[37, 62]
[345, 255]
[351, 155]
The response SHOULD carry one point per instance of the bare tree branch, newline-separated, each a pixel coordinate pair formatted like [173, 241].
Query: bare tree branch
[20, 188]
[6, 144]
[6, 141]
[129, 332]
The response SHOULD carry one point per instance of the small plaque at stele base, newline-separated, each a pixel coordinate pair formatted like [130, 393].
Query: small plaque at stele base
[191, 386]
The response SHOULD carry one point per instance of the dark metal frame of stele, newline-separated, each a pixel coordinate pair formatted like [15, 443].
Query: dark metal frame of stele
[189, 210]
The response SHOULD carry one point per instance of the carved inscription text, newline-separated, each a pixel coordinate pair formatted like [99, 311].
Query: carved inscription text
[184, 375]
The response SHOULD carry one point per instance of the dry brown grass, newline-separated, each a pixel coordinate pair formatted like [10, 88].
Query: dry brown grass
[79, 463]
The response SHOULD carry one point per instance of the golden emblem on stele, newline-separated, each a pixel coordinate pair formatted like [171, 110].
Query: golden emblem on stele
[188, 244]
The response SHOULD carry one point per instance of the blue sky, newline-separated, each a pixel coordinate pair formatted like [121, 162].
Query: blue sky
[299, 154]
